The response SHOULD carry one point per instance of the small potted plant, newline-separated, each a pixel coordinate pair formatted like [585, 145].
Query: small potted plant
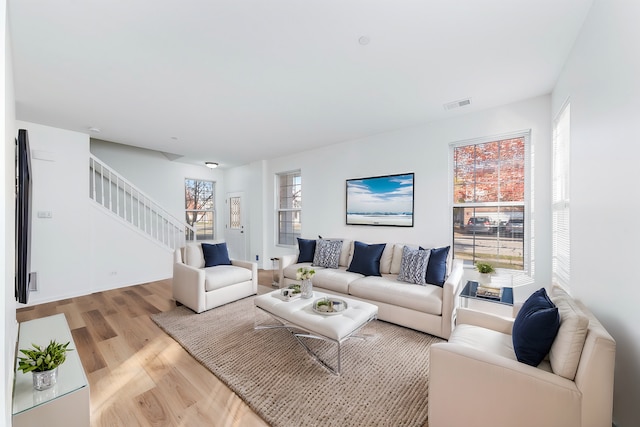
[43, 363]
[485, 269]
[305, 274]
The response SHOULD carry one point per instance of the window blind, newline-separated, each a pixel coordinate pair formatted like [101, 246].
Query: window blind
[561, 251]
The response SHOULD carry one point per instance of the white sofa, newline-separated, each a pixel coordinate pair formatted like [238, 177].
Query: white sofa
[428, 308]
[201, 288]
[475, 379]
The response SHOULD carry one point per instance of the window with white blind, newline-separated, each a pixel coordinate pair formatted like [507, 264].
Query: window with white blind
[489, 192]
[561, 251]
[289, 189]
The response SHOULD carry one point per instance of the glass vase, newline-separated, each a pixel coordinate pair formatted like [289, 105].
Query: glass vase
[45, 379]
[306, 289]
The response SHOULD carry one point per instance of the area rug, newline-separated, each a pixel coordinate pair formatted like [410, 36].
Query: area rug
[384, 381]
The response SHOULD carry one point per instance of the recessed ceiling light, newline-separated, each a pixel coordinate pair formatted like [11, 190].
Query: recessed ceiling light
[364, 40]
[211, 165]
[94, 130]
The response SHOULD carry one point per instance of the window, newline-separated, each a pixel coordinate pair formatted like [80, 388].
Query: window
[199, 208]
[289, 207]
[561, 258]
[489, 207]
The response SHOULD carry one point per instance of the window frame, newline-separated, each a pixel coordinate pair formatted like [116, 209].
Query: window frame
[194, 237]
[279, 209]
[527, 273]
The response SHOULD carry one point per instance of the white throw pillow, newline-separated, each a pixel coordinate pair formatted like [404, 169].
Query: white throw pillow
[567, 347]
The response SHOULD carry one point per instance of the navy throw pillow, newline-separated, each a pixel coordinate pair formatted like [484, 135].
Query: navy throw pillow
[366, 259]
[535, 328]
[437, 267]
[215, 254]
[307, 249]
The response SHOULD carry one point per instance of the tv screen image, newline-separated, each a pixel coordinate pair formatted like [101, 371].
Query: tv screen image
[381, 200]
[23, 216]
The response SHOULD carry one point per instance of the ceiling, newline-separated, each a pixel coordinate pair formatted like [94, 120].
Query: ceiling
[235, 81]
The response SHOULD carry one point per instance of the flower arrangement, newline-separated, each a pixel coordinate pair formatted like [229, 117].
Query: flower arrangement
[305, 273]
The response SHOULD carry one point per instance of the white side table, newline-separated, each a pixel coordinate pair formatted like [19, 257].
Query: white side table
[65, 404]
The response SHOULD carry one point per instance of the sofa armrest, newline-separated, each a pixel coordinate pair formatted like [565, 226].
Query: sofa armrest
[188, 286]
[496, 391]
[449, 297]
[484, 320]
[249, 265]
[285, 261]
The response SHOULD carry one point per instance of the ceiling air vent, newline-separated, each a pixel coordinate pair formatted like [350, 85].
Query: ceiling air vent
[457, 104]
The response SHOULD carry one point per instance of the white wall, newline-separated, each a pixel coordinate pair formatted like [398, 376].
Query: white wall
[59, 245]
[425, 151]
[602, 80]
[8, 325]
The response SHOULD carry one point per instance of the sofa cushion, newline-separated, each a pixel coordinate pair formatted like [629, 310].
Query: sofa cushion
[437, 268]
[534, 328]
[413, 267]
[396, 258]
[336, 280]
[215, 254]
[387, 289]
[193, 255]
[327, 253]
[291, 271]
[385, 259]
[566, 349]
[366, 258]
[224, 275]
[483, 339]
[306, 250]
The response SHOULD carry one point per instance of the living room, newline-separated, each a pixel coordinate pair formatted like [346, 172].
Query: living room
[599, 78]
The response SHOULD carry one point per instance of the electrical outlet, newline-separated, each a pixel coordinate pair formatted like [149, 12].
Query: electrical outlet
[257, 258]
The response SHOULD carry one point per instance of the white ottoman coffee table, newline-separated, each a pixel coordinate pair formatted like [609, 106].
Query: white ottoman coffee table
[299, 318]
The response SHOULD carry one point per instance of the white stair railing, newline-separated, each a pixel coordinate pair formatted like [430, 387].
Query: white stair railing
[113, 192]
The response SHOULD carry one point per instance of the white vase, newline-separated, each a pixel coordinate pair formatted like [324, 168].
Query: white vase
[306, 288]
[484, 278]
[45, 379]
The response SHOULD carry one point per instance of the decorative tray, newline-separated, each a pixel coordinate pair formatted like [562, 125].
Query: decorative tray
[329, 306]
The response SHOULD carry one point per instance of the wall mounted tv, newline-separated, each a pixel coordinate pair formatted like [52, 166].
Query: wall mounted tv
[381, 200]
[23, 216]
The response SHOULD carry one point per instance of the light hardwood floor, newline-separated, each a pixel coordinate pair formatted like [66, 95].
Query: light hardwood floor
[138, 375]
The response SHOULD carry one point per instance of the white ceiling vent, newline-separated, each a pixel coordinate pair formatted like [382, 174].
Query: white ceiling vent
[457, 104]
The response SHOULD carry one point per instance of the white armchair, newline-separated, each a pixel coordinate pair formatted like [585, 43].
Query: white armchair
[202, 288]
[476, 379]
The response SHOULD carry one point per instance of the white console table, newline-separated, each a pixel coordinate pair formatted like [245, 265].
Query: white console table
[65, 404]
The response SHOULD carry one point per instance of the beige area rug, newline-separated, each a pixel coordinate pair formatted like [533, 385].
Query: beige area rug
[384, 379]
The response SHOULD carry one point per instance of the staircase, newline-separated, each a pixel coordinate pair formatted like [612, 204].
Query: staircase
[114, 193]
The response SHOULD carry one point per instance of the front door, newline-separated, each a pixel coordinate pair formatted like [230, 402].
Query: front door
[235, 235]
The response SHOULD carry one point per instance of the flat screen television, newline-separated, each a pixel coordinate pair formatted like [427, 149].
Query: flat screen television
[23, 216]
[381, 200]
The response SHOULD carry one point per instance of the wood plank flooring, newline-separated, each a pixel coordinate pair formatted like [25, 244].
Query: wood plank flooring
[138, 375]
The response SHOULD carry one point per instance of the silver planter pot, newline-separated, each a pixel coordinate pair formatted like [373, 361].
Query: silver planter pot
[45, 379]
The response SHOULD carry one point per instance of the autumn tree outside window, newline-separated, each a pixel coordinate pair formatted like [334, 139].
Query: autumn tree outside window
[489, 201]
[199, 208]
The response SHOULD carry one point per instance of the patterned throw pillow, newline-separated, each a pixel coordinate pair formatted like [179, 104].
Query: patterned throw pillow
[327, 253]
[413, 267]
